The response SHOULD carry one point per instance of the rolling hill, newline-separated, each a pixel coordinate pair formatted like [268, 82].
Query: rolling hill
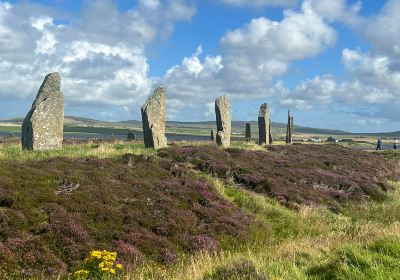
[82, 125]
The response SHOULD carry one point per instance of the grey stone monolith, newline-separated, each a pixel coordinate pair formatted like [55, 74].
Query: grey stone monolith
[223, 116]
[264, 125]
[43, 126]
[289, 129]
[212, 137]
[248, 132]
[153, 119]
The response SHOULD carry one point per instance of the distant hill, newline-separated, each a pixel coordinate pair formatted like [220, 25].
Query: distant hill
[202, 127]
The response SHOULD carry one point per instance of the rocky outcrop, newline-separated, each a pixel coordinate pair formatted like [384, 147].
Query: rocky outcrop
[43, 126]
[153, 119]
[223, 115]
[264, 125]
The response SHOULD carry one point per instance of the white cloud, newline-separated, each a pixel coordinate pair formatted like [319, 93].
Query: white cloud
[260, 3]
[252, 58]
[338, 10]
[373, 78]
[374, 69]
[100, 54]
[383, 30]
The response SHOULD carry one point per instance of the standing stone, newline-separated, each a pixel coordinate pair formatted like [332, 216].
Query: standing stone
[223, 114]
[289, 129]
[212, 137]
[43, 126]
[248, 132]
[264, 125]
[153, 119]
[270, 133]
[131, 136]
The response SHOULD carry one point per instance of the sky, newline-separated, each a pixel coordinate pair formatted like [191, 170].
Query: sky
[334, 64]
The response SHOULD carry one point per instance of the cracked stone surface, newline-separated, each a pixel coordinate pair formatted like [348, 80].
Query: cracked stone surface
[43, 126]
[153, 119]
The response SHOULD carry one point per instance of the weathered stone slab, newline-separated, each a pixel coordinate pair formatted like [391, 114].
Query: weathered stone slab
[248, 132]
[153, 119]
[212, 137]
[223, 115]
[264, 125]
[43, 126]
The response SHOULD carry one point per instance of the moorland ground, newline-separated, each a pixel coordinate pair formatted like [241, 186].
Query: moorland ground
[201, 212]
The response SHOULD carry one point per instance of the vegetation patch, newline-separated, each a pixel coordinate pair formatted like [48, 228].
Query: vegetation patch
[53, 212]
[297, 174]
[240, 270]
[378, 260]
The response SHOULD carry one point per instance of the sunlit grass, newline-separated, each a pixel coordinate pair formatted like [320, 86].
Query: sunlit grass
[312, 243]
[104, 150]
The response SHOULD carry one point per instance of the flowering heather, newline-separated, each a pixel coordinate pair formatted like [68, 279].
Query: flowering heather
[142, 207]
[296, 174]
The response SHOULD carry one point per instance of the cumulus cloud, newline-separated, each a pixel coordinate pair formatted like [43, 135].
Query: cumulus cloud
[383, 30]
[372, 87]
[102, 62]
[253, 58]
[338, 10]
[260, 3]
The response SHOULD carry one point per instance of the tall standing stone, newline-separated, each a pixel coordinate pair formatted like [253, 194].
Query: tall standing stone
[248, 132]
[264, 125]
[223, 115]
[289, 129]
[43, 126]
[212, 137]
[153, 119]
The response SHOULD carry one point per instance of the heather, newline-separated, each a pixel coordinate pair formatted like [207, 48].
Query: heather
[201, 212]
[53, 212]
[295, 175]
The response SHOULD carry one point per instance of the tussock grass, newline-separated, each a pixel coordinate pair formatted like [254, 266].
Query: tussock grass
[363, 242]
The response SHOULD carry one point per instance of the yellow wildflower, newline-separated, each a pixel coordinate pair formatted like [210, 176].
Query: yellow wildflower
[118, 266]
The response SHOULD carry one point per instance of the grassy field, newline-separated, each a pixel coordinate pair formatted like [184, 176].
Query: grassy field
[103, 150]
[358, 241]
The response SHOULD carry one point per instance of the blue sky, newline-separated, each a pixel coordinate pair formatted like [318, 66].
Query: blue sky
[335, 64]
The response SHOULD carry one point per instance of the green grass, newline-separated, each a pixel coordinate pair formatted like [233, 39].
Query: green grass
[10, 128]
[390, 154]
[15, 152]
[361, 243]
